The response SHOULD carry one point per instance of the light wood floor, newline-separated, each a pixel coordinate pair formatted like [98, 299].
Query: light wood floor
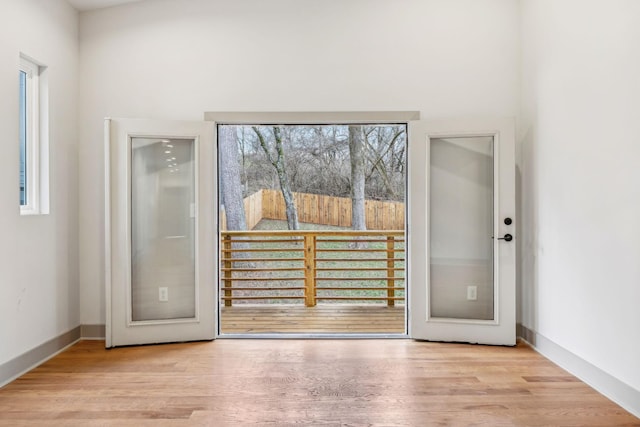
[304, 382]
[323, 318]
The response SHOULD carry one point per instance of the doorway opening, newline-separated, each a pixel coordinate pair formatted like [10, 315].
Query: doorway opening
[312, 229]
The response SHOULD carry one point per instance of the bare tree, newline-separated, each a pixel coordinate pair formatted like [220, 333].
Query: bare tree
[230, 184]
[320, 157]
[277, 160]
[318, 160]
[381, 147]
[356, 155]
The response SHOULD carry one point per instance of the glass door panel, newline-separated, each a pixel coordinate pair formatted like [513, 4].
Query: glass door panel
[163, 241]
[461, 225]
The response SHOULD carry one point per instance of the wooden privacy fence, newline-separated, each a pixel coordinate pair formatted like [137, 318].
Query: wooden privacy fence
[320, 209]
[252, 211]
[288, 266]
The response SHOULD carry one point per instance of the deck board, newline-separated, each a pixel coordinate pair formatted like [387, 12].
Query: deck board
[323, 318]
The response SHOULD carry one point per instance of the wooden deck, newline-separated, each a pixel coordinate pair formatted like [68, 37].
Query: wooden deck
[323, 318]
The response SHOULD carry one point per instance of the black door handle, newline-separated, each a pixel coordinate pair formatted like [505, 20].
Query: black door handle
[506, 238]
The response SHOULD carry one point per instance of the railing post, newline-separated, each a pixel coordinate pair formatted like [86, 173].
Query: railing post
[310, 270]
[391, 270]
[227, 282]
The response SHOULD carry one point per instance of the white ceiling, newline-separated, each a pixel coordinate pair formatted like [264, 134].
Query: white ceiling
[83, 5]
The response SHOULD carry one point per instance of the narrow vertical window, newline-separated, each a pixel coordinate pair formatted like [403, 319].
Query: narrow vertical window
[23, 138]
[33, 184]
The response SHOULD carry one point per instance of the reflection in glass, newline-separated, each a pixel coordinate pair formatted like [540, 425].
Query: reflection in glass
[162, 228]
[461, 228]
[23, 138]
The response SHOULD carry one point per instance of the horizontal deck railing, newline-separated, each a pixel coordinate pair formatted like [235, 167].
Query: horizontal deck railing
[311, 266]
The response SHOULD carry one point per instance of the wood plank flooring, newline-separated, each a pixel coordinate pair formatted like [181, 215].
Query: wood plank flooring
[304, 382]
[323, 318]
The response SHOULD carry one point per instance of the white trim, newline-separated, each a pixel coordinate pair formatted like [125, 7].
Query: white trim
[603, 382]
[481, 322]
[37, 141]
[127, 221]
[195, 176]
[311, 117]
[107, 229]
[129, 224]
[497, 283]
[495, 135]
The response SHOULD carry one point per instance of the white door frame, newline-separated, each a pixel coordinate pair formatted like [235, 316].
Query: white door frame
[341, 118]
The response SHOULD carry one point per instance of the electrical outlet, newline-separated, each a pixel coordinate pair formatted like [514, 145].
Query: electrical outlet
[163, 294]
[472, 293]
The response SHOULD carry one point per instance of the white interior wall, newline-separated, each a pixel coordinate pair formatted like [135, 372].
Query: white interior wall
[38, 254]
[176, 59]
[581, 180]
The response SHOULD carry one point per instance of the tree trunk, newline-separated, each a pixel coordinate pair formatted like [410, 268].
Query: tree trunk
[231, 188]
[356, 154]
[278, 163]
[291, 211]
[230, 184]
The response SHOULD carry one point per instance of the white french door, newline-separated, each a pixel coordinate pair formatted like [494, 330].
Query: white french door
[161, 244]
[160, 234]
[462, 232]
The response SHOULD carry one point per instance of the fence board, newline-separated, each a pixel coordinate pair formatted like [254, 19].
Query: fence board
[319, 209]
[336, 211]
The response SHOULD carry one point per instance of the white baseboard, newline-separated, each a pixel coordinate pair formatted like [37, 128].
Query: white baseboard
[611, 387]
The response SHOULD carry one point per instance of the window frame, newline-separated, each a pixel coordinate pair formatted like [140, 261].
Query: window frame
[36, 200]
